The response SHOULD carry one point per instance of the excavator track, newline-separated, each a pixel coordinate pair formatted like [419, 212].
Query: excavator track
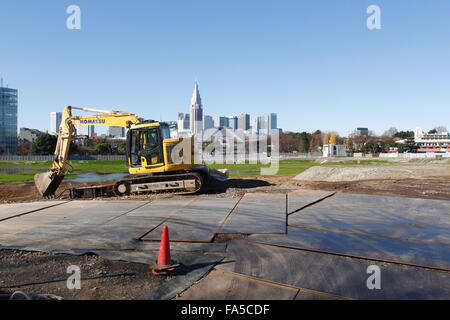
[183, 183]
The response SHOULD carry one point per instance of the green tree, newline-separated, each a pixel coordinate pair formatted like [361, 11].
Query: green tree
[404, 135]
[103, 148]
[404, 147]
[44, 144]
[122, 148]
[304, 142]
[370, 147]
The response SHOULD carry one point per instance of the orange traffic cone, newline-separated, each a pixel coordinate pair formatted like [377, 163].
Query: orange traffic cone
[164, 249]
[164, 264]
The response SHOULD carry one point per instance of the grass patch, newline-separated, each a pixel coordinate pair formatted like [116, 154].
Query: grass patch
[118, 166]
[17, 177]
[27, 164]
[75, 167]
[285, 167]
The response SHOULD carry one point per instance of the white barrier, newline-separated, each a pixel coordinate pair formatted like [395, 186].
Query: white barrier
[428, 155]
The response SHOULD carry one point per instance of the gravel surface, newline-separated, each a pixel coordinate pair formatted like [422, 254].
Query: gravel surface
[45, 273]
[339, 173]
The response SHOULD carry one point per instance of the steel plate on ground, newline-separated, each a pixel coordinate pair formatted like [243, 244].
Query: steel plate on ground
[161, 208]
[302, 198]
[104, 212]
[261, 213]
[219, 285]
[336, 275]
[197, 221]
[401, 218]
[14, 209]
[366, 246]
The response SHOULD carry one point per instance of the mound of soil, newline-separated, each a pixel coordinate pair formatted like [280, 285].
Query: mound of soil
[356, 173]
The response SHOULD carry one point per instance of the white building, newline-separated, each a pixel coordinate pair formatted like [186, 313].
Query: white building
[196, 112]
[55, 122]
[233, 122]
[29, 134]
[84, 130]
[431, 142]
[116, 132]
[257, 121]
[265, 124]
[334, 150]
[244, 121]
[183, 122]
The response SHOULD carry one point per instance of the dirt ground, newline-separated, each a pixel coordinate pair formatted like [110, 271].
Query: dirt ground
[45, 273]
[36, 272]
[433, 187]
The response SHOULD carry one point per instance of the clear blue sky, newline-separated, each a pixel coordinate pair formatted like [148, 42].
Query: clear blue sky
[313, 62]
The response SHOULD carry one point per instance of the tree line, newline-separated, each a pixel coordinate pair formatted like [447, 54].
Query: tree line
[45, 144]
[304, 142]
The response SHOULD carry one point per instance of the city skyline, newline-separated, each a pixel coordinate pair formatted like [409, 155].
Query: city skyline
[269, 61]
[105, 130]
[196, 120]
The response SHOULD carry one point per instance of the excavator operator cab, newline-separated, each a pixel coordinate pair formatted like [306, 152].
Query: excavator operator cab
[145, 145]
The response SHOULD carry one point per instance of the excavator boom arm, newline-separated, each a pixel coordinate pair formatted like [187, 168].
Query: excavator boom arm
[48, 182]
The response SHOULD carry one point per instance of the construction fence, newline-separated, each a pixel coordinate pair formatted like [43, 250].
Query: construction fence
[415, 155]
[250, 157]
[50, 157]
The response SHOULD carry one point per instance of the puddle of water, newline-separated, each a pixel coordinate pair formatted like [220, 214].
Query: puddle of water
[94, 176]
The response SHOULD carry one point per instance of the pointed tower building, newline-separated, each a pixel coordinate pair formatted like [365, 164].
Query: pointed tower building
[196, 112]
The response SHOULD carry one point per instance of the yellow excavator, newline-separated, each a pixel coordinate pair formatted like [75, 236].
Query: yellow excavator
[149, 158]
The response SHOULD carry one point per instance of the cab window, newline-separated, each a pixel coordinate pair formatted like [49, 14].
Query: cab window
[145, 143]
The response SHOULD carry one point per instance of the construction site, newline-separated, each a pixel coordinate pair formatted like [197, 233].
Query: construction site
[189, 151]
[307, 236]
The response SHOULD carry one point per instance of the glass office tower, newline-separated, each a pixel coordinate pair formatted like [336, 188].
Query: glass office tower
[8, 121]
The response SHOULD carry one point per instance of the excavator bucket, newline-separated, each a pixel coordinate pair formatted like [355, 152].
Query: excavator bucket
[47, 183]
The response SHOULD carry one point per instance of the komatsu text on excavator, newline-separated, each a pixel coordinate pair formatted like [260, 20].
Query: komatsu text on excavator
[148, 157]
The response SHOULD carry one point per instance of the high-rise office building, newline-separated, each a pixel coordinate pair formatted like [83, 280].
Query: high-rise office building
[183, 122]
[208, 122]
[196, 112]
[8, 120]
[244, 121]
[116, 132]
[233, 122]
[256, 127]
[270, 123]
[263, 125]
[84, 130]
[55, 122]
[220, 122]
